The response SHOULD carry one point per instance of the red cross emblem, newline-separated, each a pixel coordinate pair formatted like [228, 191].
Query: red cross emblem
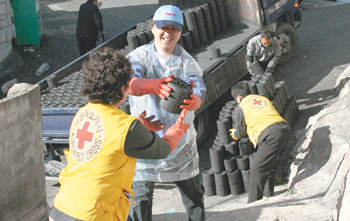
[257, 102]
[84, 135]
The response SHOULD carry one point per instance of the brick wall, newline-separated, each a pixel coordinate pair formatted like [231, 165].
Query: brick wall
[6, 29]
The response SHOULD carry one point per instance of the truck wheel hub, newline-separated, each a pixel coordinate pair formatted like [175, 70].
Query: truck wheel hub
[284, 42]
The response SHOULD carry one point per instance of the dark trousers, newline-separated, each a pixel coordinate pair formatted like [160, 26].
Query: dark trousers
[57, 215]
[266, 160]
[269, 187]
[86, 44]
[191, 193]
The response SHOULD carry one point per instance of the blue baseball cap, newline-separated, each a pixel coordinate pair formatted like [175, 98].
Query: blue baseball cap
[168, 15]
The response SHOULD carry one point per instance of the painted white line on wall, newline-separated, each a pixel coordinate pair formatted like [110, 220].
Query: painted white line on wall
[55, 7]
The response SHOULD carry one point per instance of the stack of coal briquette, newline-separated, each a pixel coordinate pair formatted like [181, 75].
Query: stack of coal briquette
[231, 160]
[63, 93]
[203, 20]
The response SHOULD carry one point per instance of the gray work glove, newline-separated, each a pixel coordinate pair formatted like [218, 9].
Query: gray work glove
[271, 65]
[269, 70]
[248, 67]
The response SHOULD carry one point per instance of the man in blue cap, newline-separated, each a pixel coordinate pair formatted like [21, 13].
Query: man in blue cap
[154, 65]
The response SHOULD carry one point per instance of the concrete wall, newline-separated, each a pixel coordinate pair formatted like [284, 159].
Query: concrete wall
[321, 169]
[6, 29]
[22, 173]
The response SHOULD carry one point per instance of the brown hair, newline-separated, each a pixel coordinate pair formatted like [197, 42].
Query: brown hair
[106, 72]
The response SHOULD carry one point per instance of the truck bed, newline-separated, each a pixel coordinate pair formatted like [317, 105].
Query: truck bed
[227, 42]
[67, 92]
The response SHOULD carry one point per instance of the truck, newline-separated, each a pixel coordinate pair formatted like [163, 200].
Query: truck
[216, 33]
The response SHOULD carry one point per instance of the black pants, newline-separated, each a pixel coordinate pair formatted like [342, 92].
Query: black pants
[266, 160]
[191, 193]
[57, 215]
[86, 44]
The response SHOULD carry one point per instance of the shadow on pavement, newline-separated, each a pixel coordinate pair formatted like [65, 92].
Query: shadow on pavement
[320, 53]
[247, 213]
[320, 150]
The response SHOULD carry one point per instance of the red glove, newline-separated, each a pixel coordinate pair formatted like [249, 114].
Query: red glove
[174, 133]
[151, 125]
[141, 86]
[192, 104]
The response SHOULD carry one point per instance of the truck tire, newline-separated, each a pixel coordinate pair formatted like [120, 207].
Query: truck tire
[52, 153]
[288, 37]
[202, 125]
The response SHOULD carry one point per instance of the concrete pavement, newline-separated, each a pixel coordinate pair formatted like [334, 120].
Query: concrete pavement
[73, 5]
[117, 15]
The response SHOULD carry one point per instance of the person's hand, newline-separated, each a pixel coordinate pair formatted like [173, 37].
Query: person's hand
[271, 65]
[174, 133]
[140, 86]
[159, 86]
[269, 70]
[151, 125]
[192, 104]
[99, 4]
[232, 133]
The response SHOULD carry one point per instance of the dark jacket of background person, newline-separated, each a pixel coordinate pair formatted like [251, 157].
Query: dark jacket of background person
[89, 21]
